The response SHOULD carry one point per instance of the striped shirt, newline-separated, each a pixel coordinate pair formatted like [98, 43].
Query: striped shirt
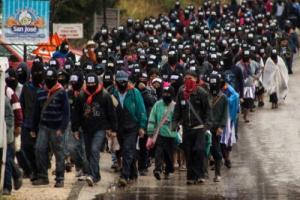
[57, 113]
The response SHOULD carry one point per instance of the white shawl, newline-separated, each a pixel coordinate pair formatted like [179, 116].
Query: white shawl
[275, 78]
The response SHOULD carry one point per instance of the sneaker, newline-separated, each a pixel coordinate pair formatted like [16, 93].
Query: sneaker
[157, 175]
[143, 172]
[190, 182]
[40, 182]
[89, 181]
[261, 104]
[59, 184]
[68, 167]
[19, 181]
[228, 164]
[201, 180]
[206, 176]
[78, 173]
[6, 192]
[115, 165]
[33, 177]
[217, 179]
[82, 177]
[122, 182]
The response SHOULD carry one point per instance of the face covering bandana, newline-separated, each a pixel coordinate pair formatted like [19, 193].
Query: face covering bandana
[91, 91]
[76, 86]
[50, 83]
[167, 99]
[12, 83]
[37, 78]
[214, 90]
[122, 86]
[22, 78]
[57, 86]
[189, 86]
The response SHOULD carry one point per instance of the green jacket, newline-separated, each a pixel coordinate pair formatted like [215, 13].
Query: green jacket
[9, 120]
[156, 115]
[134, 103]
[219, 111]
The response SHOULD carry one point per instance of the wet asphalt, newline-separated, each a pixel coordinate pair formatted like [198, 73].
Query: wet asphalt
[265, 161]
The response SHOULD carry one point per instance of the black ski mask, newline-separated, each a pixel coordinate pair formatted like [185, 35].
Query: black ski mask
[122, 85]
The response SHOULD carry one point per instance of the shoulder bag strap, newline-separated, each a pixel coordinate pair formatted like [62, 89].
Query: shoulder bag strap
[194, 112]
[50, 99]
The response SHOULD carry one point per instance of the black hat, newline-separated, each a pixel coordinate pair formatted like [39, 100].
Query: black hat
[10, 73]
[169, 89]
[37, 67]
[51, 73]
[92, 79]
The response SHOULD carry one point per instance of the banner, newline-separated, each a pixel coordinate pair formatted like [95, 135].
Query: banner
[25, 21]
[70, 31]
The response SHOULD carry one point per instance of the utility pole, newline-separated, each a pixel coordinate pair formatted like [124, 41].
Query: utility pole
[104, 12]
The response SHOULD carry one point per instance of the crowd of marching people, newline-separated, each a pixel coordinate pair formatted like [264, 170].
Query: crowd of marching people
[168, 89]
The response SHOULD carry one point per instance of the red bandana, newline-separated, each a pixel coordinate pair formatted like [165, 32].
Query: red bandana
[189, 87]
[54, 89]
[89, 100]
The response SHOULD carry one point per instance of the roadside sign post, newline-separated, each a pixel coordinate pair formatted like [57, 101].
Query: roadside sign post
[3, 139]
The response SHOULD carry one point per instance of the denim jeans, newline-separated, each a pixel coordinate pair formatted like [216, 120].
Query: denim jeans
[114, 157]
[128, 141]
[93, 144]
[8, 167]
[45, 137]
[75, 148]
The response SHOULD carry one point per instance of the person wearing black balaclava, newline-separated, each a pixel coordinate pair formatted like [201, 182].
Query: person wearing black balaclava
[27, 100]
[204, 65]
[173, 71]
[69, 66]
[11, 79]
[12, 170]
[63, 51]
[50, 121]
[134, 122]
[75, 142]
[23, 76]
[249, 68]
[96, 116]
[218, 118]
[63, 78]
[149, 100]
[165, 143]
[233, 75]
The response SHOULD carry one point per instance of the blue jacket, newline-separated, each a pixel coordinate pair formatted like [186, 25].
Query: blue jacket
[56, 116]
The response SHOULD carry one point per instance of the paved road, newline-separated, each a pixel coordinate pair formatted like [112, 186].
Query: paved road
[266, 161]
[266, 165]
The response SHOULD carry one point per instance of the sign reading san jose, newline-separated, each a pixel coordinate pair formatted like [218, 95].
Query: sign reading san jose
[26, 21]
